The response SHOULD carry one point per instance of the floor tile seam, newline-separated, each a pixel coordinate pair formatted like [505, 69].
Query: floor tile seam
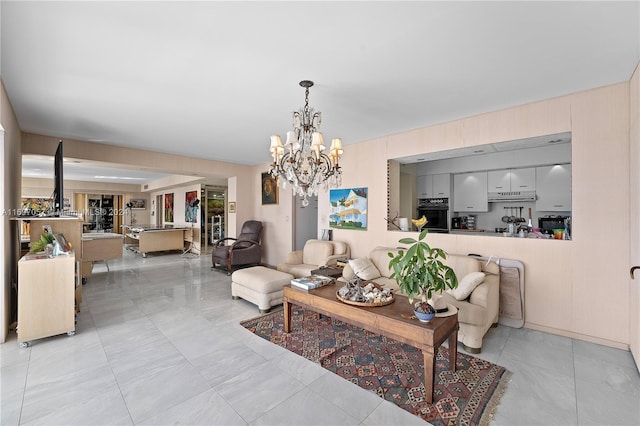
[535, 365]
[24, 389]
[620, 393]
[229, 404]
[575, 381]
[184, 357]
[317, 395]
[117, 381]
[616, 365]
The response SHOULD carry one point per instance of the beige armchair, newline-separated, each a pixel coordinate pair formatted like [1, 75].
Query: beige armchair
[316, 253]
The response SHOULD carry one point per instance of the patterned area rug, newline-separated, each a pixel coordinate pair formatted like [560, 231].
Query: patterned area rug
[391, 369]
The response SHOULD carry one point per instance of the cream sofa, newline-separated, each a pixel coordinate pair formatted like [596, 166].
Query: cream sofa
[476, 314]
[316, 253]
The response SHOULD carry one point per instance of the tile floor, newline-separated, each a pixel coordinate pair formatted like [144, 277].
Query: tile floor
[158, 342]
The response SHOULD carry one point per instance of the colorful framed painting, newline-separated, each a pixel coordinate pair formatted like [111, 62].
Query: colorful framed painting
[269, 189]
[138, 204]
[168, 207]
[348, 208]
[191, 207]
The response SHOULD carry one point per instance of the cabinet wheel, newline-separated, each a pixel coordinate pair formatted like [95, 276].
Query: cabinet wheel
[71, 333]
[144, 254]
[24, 344]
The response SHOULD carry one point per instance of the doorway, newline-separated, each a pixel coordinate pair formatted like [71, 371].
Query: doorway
[213, 216]
[101, 212]
[159, 210]
[305, 222]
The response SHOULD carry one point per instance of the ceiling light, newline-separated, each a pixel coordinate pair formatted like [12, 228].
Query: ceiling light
[302, 162]
[118, 177]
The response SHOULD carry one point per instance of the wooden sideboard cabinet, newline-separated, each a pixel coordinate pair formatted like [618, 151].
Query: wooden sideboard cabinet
[46, 297]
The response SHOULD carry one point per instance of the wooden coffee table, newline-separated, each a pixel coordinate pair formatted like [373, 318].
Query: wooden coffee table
[385, 320]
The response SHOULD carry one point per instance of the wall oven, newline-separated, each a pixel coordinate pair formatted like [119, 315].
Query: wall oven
[436, 210]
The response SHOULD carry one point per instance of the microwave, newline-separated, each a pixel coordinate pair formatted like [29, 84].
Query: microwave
[548, 224]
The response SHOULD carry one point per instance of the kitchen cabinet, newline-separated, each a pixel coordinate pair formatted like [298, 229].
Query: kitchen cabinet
[553, 188]
[470, 192]
[512, 180]
[46, 296]
[434, 186]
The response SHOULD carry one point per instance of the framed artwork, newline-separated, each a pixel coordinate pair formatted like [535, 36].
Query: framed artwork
[138, 204]
[269, 189]
[36, 205]
[168, 207]
[191, 203]
[348, 208]
[232, 206]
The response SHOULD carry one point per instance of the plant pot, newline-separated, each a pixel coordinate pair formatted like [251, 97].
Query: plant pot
[424, 314]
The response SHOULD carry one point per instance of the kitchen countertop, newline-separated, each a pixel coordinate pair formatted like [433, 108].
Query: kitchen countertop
[482, 232]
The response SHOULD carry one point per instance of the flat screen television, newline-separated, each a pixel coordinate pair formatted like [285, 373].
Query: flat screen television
[58, 178]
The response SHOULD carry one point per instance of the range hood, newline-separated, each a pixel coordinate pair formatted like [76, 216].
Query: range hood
[495, 197]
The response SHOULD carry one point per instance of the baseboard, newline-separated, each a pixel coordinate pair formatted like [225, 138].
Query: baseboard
[578, 336]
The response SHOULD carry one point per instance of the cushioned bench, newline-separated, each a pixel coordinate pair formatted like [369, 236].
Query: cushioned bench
[259, 285]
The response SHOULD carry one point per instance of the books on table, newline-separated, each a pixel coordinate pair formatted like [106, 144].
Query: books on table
[311, 282]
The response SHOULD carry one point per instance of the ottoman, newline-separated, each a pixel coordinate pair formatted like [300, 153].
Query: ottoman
[259, 285]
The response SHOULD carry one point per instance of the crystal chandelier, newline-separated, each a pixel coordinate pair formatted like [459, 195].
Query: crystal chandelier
[302, 161]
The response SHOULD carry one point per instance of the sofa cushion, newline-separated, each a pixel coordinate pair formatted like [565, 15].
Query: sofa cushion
[462, 265]
[364, 268]
[379, 256]
[340, 247]
[466, 285]
[316, 252]
[298, 271]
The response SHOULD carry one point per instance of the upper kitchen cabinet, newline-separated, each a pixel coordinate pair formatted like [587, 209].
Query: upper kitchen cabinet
[499, 180]
[553, 188]
[470, 192]
[512, 180]
[434, 186]
[523, 179]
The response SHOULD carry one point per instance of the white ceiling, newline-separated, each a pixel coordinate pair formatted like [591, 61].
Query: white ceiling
[216, 79]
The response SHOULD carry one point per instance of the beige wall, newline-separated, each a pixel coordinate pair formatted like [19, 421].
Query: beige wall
[277, 220]
[577, 288]
[10, 136]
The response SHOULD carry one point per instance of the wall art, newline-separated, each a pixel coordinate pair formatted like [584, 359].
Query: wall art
[348, 208]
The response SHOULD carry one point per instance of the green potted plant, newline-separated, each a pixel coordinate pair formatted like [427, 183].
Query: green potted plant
[419, 272]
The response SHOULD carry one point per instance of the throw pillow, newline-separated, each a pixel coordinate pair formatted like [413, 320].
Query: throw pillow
[364, 269]
[466, 285]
